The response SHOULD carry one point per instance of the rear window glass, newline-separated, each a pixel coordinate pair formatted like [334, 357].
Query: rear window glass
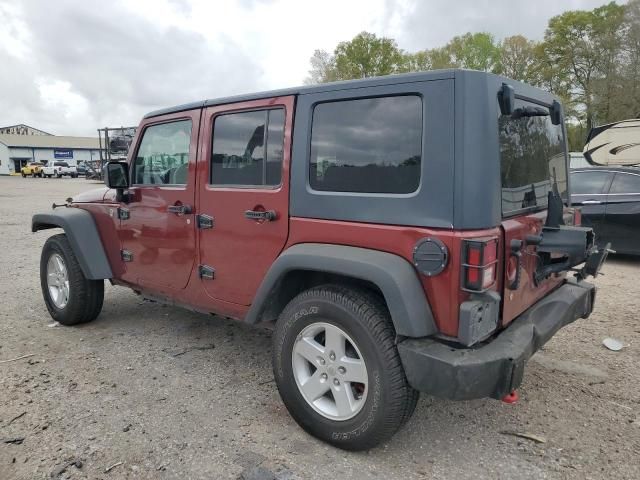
[369, 145]
[532, 159]
[588, 183]
[61, 164]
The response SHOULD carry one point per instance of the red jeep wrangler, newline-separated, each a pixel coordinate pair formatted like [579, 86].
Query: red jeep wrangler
[404, 234]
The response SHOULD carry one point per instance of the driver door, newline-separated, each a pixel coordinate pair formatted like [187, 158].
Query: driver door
[157, 232]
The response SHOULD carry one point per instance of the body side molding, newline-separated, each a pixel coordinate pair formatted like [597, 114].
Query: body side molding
[393, 275]
[81, 230]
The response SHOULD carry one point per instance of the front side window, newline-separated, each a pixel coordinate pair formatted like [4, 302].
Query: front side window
[248, 148]
[532, 158]
[626, 183]
[163, 155]
[369, 145]
[588, 183]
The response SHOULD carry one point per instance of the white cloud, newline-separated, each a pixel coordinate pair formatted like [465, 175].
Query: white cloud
[72, 66]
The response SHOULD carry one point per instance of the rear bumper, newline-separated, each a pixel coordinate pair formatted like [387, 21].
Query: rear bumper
[494, 369]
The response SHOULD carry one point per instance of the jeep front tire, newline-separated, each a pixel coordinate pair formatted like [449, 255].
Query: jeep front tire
[70, 297]
[337, 367]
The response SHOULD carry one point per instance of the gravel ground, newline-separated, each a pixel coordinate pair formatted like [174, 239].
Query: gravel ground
[164, 393]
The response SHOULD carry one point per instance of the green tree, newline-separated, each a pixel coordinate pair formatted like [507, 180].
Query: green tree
[623, 97]
[580, 48]
[323, 68]
[366, 55]
[477, 51]
[434, 59]
[518, 59]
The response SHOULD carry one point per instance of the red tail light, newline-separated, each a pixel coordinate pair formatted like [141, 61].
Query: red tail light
[479, 263]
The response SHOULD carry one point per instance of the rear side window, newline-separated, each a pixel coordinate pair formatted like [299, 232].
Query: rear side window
[371, 145]
[163, 155]
[626, 183]
[588, 183]
[248, 148]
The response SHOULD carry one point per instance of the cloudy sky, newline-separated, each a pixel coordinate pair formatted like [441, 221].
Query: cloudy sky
[71, 66]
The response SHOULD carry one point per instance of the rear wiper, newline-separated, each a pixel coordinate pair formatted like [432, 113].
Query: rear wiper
[530, 112]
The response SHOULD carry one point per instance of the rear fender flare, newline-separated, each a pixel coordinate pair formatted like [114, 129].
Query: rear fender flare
[81, 230]
[394, 276]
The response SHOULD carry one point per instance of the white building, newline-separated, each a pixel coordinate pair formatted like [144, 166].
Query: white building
[32, 145]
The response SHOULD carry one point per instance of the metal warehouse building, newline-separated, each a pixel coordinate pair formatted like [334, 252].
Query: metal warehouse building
[21, 144]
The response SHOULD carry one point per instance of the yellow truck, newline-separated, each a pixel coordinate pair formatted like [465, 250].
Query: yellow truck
[33, 169]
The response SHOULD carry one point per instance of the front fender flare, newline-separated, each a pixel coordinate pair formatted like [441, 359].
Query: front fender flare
[81, 230]
[393, 275]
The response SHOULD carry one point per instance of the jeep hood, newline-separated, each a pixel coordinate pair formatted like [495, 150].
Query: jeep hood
[97, 195]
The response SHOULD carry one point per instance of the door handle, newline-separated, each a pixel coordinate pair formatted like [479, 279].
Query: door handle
[591, 202]
[179, 209]
[262, 215]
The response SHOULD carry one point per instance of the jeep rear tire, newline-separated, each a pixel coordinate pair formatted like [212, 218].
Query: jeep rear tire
[70, 297]
[337, 367]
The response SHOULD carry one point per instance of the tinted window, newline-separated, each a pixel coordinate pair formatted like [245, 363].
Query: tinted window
[371, 145]
[60, 164]
[625, 183]
[163, 155]
[245, 152]
[585, 183]
[532, 159]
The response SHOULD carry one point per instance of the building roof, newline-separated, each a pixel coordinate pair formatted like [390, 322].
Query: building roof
[48, 141]
[22, 126]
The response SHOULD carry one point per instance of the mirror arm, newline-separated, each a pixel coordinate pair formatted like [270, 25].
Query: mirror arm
[122, 196]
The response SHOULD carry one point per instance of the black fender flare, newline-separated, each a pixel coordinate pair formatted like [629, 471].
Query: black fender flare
[393, 275]
[82, 232]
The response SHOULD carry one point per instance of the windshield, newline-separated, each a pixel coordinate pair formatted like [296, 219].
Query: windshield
[532, 159]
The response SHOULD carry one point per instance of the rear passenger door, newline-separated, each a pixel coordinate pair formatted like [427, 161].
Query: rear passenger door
[243, 194]
[589, 191]
[622, 218]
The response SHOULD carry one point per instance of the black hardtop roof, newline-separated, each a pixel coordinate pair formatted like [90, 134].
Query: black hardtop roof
[326, 87]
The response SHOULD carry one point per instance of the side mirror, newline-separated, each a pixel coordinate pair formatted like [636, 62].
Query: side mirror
[506, 99]
[117, 176]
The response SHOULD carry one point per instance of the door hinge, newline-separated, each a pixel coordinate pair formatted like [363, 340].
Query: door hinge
[123, 213]
[205, 221]
[126, 256]
[206, 272]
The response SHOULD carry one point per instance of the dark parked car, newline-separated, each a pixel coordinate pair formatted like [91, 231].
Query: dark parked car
[610, 201]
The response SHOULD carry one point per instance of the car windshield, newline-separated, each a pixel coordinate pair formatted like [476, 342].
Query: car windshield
[532, 160]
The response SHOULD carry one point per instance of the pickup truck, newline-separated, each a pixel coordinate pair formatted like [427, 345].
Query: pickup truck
[34, 169]
[59, 169]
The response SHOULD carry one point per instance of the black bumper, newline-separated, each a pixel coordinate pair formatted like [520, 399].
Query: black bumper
[493, 369]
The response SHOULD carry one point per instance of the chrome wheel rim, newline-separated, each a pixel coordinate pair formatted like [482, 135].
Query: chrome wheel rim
[330, 371]
[58, 281]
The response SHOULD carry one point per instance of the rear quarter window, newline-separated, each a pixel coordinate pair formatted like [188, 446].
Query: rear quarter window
[367, 145]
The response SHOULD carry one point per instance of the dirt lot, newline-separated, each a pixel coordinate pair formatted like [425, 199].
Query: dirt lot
[164, 393]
